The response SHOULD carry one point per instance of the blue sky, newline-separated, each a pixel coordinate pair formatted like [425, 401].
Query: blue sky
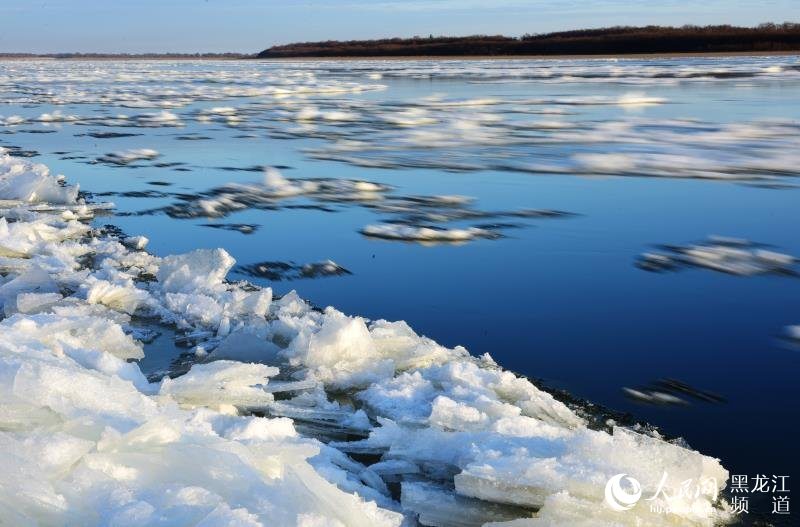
[251, 25]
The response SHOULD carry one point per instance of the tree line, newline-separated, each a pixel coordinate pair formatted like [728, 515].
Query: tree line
[604, 41]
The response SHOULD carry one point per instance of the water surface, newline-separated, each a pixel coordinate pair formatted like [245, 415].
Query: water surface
[639, 153]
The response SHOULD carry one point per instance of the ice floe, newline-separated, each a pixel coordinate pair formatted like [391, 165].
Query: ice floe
[424, 219]
[285, 414]
[425, 234]
[300, 100]
[504, 140]
[671, 392]
[127, 157]
[244, 228]
[277, 271]
[313, 100]
[728, 255]
[166, 87]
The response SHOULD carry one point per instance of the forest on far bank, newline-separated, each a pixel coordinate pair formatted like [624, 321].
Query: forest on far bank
[604, 41]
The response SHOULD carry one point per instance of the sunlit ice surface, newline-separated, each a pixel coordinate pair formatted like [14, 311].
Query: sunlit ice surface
[503, 205]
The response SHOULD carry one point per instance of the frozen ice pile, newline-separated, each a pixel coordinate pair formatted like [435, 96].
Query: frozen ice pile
[27, 183]
[288, 415]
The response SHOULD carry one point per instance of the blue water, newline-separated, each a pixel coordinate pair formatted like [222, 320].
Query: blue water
[558, 299]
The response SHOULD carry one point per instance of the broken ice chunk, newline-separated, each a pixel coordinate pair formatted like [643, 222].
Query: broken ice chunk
[125, 298]
[341, 353]
[36, 302]
[34, 280]
[31, 182]
[198, 270]
[136, 242]
[221, 382]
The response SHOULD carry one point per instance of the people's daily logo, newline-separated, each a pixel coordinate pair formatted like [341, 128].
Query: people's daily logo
[620, 499]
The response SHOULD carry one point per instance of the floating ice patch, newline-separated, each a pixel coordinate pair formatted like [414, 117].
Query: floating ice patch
[224, 114]
[166, 88]
[16, 151]
[414, 218]
[278, 271]
[402, 135]
[298, 100]
[127, 157]
[219, 110]
[56, 117]
[671, 392]
[110, 135]
[162, 118]
[13, 120]
[426, 234]
[727, 255]
[639, 99]
[244, 228]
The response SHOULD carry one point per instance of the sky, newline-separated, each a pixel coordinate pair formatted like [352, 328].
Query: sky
[189, 26]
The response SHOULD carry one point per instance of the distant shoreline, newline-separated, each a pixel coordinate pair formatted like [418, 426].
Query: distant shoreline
[617, 42]
[623, 56]
[609, 41]
[123, 57]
